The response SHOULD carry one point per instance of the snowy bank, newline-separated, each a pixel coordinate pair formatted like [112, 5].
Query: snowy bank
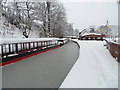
[95, 68]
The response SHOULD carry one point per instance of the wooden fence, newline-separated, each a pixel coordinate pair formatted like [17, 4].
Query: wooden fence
[12, 49]
[114, 49]
[13, 52]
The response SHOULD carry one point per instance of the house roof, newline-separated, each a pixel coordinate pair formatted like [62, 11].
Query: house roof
[90, 34]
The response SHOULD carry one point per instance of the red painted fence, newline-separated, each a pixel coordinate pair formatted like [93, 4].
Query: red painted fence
[12, 49]
[114, 49]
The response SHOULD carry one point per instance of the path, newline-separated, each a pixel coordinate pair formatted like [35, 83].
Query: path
[46, 70]
[95, 68]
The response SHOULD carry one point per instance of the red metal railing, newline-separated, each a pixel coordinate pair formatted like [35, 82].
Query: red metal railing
[11, 49]
[114, 49]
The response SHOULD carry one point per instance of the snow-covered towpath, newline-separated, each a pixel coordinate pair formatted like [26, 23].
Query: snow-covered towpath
[95, 68]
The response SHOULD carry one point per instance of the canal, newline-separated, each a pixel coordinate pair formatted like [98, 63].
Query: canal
[46, 70]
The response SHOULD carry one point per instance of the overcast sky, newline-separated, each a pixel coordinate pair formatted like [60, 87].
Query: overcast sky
[83, 13]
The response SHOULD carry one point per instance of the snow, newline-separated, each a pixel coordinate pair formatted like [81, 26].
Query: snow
[20, 40]
[38, 22]
[95, 68]
[114, 40]
[8, 30]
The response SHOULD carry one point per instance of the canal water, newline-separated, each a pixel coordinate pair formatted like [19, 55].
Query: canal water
[46, 70]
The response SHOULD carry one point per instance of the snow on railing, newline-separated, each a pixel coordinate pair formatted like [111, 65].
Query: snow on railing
[11, 49]
[21, 40]
[115, 40]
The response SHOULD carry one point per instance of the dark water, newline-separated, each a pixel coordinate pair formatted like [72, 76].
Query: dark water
[46, 70]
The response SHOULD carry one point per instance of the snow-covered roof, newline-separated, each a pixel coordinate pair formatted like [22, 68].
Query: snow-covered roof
[93, 69]
[90, 34]
[70, 36]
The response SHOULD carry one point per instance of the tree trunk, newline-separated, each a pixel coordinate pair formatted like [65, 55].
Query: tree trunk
[48, 15]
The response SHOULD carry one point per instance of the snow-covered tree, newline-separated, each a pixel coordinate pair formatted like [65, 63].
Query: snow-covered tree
[92, 29]
[50, 15]
[76, 32]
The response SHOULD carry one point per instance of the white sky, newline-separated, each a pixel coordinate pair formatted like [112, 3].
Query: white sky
[83, 13]
[88, 0]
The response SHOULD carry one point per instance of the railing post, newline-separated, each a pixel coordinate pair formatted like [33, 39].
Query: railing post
[5, 51]
[37, 45]
[9, 49]
[46, 44]
[29, 46]
[23, 47]
[49, 44]
[2, 53]
[12, 48]
[16, 47]
[33, 45]
[41, 45]
[26, 46]
[57, 42]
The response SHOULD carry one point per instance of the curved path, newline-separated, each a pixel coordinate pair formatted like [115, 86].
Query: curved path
[95, 68]
[46, 70]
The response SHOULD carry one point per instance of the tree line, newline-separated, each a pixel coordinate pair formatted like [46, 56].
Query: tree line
[48, 17]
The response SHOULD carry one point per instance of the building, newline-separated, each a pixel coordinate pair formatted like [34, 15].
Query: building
[91, 36]
[104, 29]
